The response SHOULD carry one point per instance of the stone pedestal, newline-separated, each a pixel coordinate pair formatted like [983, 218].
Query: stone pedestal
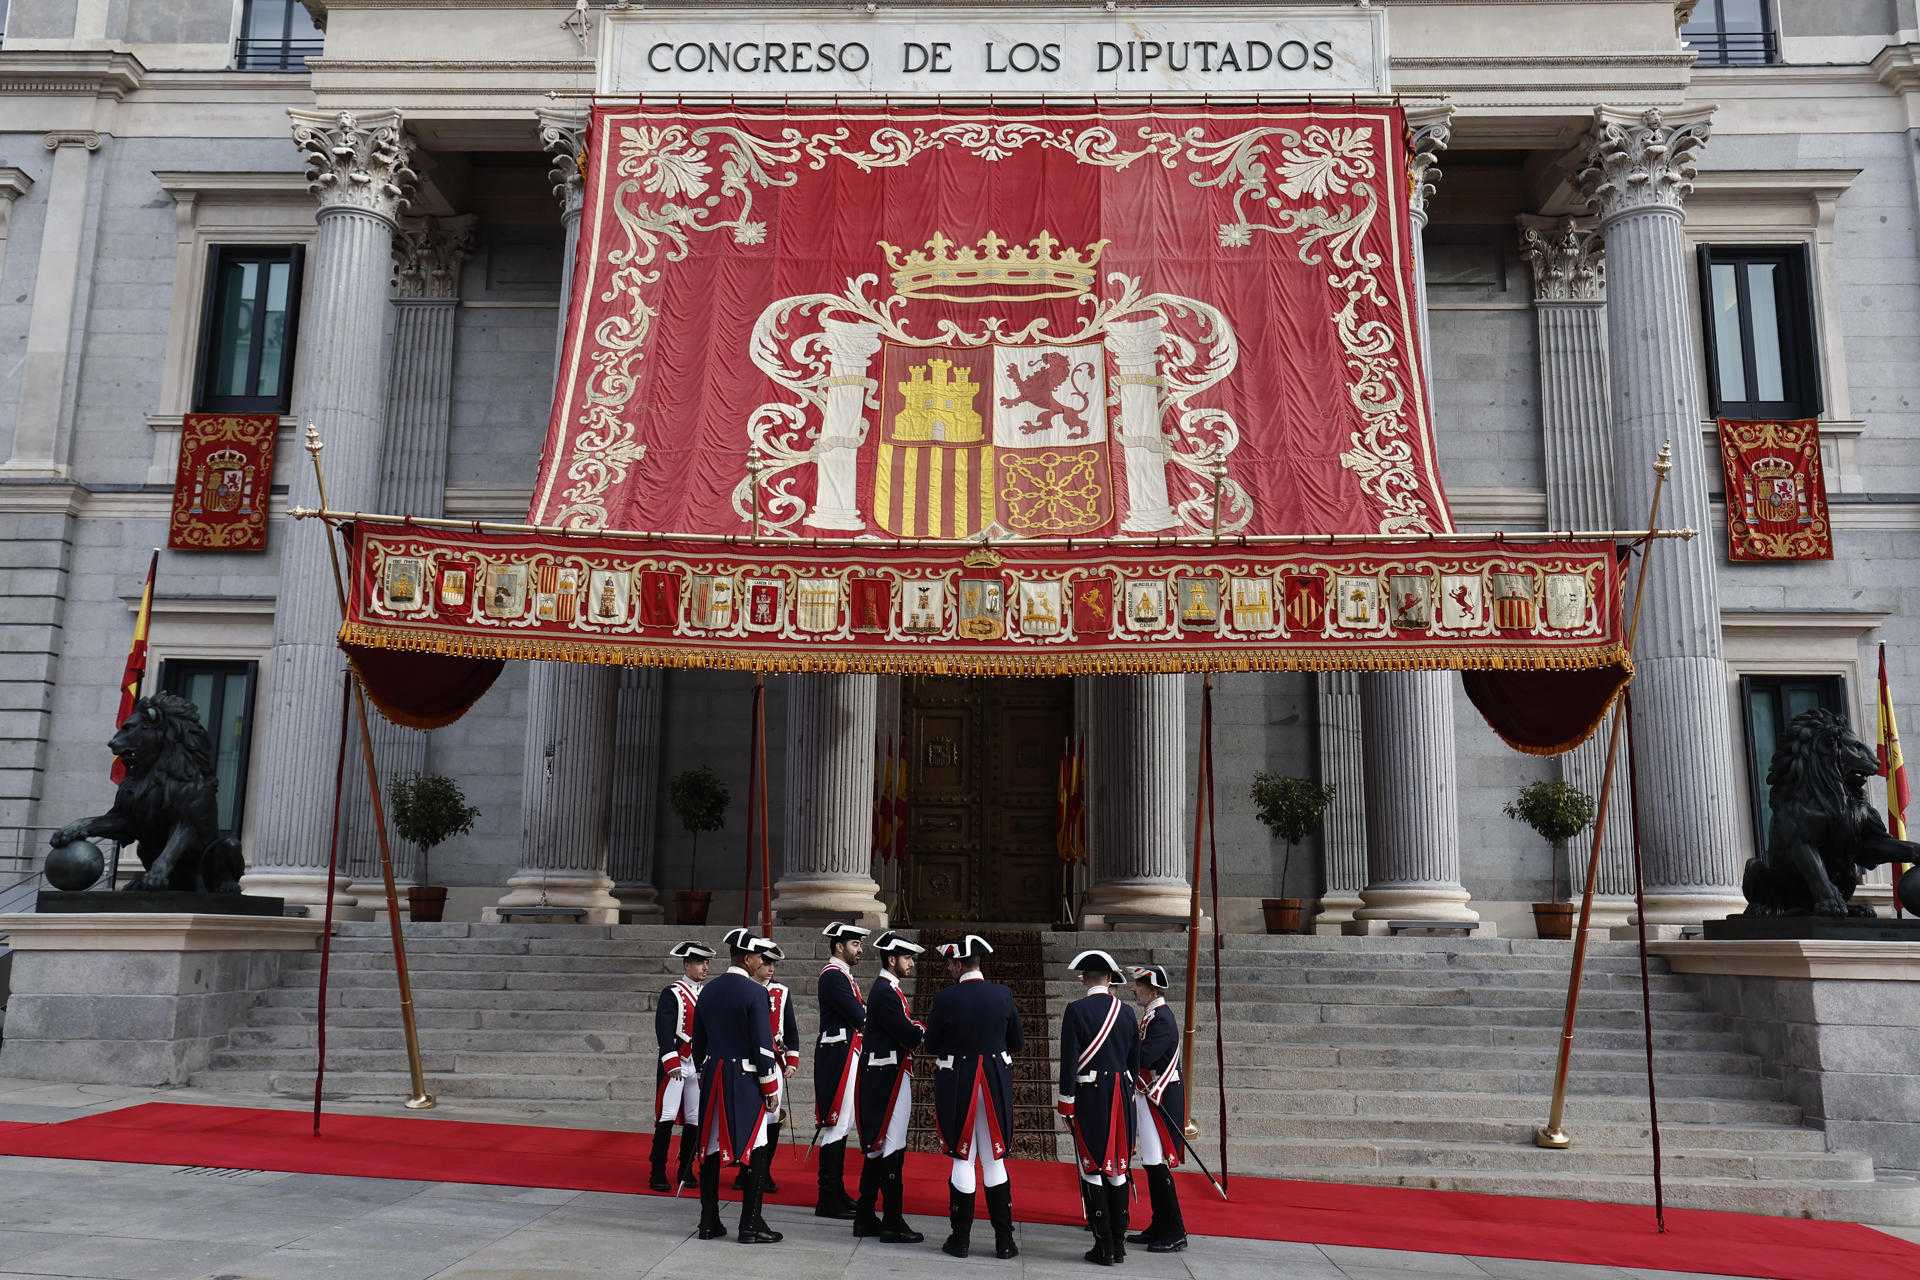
[1137, 786]
[826, 858]
[136, 999]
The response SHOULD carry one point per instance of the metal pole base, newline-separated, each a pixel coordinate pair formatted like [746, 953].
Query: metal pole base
[424, 1102]
[1552, 1139]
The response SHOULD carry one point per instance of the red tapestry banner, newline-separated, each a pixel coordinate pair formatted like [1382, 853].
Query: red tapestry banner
[1034, 608]
[1775, 490]
[1111, 322]
[223, 482]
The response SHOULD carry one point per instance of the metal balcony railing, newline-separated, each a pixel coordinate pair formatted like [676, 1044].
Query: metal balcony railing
[275, 55]
[1735, 48]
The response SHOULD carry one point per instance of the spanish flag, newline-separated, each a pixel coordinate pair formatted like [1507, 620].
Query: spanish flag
[136, 671]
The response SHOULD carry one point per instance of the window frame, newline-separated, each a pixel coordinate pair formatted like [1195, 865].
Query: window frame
[1799, 337]
[1834, 695]
[173, 673]
[218, 257]
[268, 54]
[1715, 53]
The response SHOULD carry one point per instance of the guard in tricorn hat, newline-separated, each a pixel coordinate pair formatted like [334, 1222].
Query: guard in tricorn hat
[1098, 1037]
[786, 1049]
[836, 1061]
[676, 1090]
[739, 1083]
[973, 1031]
[886, 1093]
[1159, 1110]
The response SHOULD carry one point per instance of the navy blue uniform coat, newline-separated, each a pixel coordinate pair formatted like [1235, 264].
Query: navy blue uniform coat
[733, 1047]
[1098, 1038]
[973, 1031]
[886, 1060]
[1156, 1067]
[842, 1016]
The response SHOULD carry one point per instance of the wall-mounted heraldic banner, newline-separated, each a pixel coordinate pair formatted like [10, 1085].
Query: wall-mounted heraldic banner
[1135, 357]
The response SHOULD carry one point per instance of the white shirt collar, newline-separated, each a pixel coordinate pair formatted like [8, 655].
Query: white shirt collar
[1100, 989]
[1159, 1002]
[889, 976]
[973, 975]
[734, 968]
[835, 962]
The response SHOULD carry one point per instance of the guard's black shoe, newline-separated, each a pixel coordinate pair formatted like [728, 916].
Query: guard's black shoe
[1000, 1210]
[960, 1223]
[1172, 1244]
[658, 1182]
[865, 1222]
[896, 1231]
[1101, 1255]
[711, 1229]
[759, 1233]
[833, 1203]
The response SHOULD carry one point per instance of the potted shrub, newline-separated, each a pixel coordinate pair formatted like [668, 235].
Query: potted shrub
[428, 810]
[1557, 811]
[1291, 808]
[699, 799]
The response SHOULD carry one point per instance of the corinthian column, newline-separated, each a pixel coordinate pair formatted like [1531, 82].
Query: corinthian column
[826, 861]
[357, 169]
[843, 424]
[567, 791]
[1570, 311]
[1136, 774]
[1406, 717]
[1343, 831]
[1640, 169]
[427, 255]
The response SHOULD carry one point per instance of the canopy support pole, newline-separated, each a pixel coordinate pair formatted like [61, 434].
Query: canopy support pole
[1552, 1135]
[1202, 786]
[1646, 997]
[326, 930]
[1213, 882]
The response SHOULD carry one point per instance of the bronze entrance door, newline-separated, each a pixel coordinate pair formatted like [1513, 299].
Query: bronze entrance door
[982, 793]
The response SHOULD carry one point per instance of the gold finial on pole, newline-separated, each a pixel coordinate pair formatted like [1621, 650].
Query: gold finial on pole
[1553, 1135]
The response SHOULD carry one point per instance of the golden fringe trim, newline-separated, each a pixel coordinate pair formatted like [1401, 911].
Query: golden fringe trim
[933, 662]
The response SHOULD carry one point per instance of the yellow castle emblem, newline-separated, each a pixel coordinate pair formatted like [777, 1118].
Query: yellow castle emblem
[937, 405]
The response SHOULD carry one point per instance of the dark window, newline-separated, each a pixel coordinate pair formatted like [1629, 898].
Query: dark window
[223, 694]
[1770, 703]
[276, 35]
[1732, 33]
[252, 312]
[1759, 332]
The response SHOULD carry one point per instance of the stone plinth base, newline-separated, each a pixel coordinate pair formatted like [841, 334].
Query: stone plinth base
[586, 890]
[818, 900]
[1811, 928]
[138, 998]
[149, 902]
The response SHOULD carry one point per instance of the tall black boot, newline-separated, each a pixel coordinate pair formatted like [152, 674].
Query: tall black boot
[1087, 1197]
[657, 1176]
[689, 1144]
[711, 1228]
[894, 1228]
[833, 1201]
[1095, 1194]
[1170, 1228]
[865, 1221]
[1156, 1224]
[767, 1185]
[959, 1222]
[1117, 1213]
[753, 1227]
[1000, 1210]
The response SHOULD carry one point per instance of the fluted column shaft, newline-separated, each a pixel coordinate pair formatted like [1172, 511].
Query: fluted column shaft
[358, 171]
[1640, 170]
[826, 857]
[1136, 799]
[1343, 828]
[636, 792]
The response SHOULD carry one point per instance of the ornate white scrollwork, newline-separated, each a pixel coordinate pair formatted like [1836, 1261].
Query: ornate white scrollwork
[1642, 159]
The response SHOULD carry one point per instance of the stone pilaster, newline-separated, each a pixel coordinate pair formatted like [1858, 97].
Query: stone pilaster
[1139, 842]
[1406, 718]
[1570, 311]
[636, 793]
[570, 707]
[1343, 829]
[427, 256]
[1640, 169]
[357, 169]
[826, 862]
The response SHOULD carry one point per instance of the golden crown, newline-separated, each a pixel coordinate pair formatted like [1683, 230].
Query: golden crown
[1774, 467]
[982, 558]
[992, 270]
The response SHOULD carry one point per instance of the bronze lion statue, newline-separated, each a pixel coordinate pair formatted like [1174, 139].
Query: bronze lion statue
[167, 802]
[1824, 831]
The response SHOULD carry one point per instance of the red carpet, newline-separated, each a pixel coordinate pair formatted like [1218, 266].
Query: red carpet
[1263, 1208]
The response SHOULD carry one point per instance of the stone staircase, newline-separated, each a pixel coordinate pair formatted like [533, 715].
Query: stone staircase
[1419, 1062]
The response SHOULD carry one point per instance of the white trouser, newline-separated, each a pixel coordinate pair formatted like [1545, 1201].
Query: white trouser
[759, 1134]
[993, 1170]
[896, 1139]
[837, 1131]
[1146, 1143]
[680, 1100]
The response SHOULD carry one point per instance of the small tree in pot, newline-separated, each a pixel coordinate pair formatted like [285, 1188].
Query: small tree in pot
[428, 810]
[1291, 808]
[1557, 811]
[699, 799]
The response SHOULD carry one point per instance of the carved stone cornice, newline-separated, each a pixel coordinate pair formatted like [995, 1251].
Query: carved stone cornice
[427, 253]
[1642, 160]
[356, 161]
[1568, 258]
[59, 138]
[1428, 129]
[563, 135]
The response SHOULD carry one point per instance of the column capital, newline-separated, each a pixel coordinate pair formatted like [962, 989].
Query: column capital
[58, 138]
[1568, 257]
[1642, 160]
[356, 161]
[1683, 13]
[427, 253]
[1429, 128]
[563, 135]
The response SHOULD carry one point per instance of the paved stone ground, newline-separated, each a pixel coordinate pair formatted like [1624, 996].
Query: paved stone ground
[156, 1222]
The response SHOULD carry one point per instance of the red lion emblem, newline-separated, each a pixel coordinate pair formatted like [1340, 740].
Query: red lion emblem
[1053, 388]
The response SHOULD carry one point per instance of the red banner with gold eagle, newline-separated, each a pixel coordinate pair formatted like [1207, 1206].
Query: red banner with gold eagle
[223, 483]
[1776, 492]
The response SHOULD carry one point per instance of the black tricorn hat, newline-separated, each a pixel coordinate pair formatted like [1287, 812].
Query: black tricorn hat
[1096, 962]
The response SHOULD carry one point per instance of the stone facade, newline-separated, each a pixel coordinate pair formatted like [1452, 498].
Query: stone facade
[127, 151]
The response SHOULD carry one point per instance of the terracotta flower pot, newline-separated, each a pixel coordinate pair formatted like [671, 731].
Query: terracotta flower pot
[1553, 919]
[426, 903]
[690, 905]
[1284, 915]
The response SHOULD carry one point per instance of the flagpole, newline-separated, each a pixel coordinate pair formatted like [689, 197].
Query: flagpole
[421, 1099]
[760, 798]
[753, 780]
[1552, 1135]
[1193, 909]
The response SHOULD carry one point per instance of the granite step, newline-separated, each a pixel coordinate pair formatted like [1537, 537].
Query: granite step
[1590, 1132]
[1680, 1161]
